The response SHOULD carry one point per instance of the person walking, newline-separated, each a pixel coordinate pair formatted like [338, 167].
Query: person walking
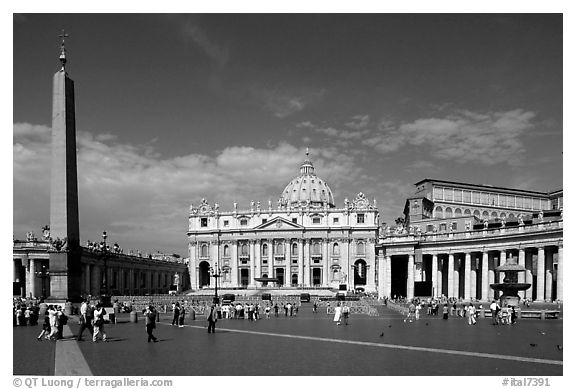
[61, 320]
[338, 314]
[53, 323]
[84, 320]
[471, 313]
[45, 328]
[445, 312]
[182, 316]
[346, 313]
[494, 308]
[150, 320]
[212, 318]
[176, 313]
[99, 313]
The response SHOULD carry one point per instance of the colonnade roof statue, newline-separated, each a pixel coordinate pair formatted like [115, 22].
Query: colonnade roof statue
[307, 189]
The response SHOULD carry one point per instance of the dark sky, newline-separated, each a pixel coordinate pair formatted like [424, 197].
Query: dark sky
[172, 108]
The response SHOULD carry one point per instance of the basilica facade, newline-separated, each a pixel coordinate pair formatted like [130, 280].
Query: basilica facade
[304, 240]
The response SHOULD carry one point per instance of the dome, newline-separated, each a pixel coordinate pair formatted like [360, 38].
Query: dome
[307, 187]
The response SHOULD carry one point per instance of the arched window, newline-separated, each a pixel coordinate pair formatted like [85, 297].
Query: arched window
[226, 251]
[467, 212]
[336, 249]
[204, 250]
[294, 251]
[477, 213]
[279, 248]
[485, 215]
[448, 212]
[503, 215]
[316, 248]
[360, 248]
[493, 215]
[458, 212]
[438, 213]
[265, 250]
[511, 215]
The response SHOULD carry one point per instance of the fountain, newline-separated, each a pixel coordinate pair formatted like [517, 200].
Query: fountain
[510, 285]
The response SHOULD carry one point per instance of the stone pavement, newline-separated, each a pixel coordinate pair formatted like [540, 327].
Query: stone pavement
[305, 345]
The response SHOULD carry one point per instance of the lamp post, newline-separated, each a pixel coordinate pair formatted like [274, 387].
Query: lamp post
[104, 252]
[216, 274]
[43, 274]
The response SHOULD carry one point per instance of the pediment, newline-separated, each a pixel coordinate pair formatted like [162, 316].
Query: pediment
[279, 223]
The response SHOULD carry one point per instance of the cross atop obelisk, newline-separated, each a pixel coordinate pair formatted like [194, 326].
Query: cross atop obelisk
[63, 35]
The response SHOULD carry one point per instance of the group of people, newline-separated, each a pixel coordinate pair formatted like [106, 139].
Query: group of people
[92, 318]
[25, 313]
[341, 313]
[53, 325]
[178, 313]
[503, 315]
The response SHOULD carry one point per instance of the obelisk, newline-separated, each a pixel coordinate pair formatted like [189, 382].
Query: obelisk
[65, 269]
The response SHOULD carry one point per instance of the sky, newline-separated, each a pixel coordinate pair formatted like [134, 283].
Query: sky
[174, 108]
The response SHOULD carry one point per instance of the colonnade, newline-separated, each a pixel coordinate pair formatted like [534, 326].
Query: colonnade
[32, 273]
[467, 274]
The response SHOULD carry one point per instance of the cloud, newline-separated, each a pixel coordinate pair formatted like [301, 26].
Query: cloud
[219, 54]
[355, 130]
[359, 122]
[283, 101]
[463, 136]
[142, 199]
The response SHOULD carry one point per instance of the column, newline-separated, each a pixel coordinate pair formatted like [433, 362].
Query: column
[32, 278]
[473, 278]
[435, 275]
[484, 276]
[381, 274]
[439, 276]
[540, 275]
[257, 261]
[325, 262]
[501, 275]
[450, 272]
[529, 278]
[549, 264]
[300, 262]
[560, 272]
[87, 285]
[345, 255]
[410, 282]
[371, 265]
[522, 275]
[252, 263]
[234, 264]
[467, 276]
[287, 268]
[308, 269]
[388, 290]
[456, 292]
[270, 259]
